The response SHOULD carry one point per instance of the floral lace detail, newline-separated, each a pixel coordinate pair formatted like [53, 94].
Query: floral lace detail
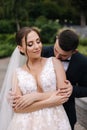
[27, 82]
[48, 77]
[45, 119]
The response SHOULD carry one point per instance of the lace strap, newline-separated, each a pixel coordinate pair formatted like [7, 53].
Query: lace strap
[55, 72]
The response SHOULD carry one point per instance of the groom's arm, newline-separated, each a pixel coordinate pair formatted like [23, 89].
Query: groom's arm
[80, 90]
[47, 51]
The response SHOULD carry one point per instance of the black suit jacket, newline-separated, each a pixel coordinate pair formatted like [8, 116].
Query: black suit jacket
[77, 75]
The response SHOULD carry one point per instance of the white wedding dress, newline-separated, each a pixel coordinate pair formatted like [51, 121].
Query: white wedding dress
[54, 118]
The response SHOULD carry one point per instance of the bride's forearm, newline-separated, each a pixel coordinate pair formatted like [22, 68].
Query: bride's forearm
[54, 100]
[32, 101]
[42, 96]
[28, 99]
[37, 106]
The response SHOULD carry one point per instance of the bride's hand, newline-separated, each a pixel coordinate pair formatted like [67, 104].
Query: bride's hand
[57, 98]
[12, 98]
[25, 100]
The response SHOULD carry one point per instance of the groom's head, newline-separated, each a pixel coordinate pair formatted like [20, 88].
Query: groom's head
[66, 43]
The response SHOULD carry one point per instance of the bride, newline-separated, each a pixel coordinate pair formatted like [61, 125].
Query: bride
[36, 89]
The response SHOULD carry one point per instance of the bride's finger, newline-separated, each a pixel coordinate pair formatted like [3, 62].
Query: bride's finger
[19, 103]
[58, 91]
[11, 93]
[16, 97]
[20, 106]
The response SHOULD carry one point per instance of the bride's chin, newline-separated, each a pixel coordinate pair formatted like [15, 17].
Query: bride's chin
[36, 57]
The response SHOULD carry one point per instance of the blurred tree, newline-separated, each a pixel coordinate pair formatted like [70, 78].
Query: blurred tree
[2, 13]
[14, 9]
[50, 10]
[81, 7]
[19, 11]
[66, 11]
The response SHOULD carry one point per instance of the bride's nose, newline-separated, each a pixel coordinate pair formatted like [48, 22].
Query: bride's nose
[36, 45]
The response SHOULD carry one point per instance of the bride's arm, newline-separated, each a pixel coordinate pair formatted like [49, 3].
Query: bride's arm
[60, 74]
[54, 100]
[34, 100]
[33, 96]
[20, 100]
[62, 83]
[28, 99]
[61, 77]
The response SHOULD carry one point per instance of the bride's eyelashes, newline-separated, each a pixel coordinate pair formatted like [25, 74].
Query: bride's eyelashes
[38, 41]
[31, 43]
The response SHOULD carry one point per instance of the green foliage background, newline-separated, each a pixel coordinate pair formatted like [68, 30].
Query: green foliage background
[47, 15]
[8, 44]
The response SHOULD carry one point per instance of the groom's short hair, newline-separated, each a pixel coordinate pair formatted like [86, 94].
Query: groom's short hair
[68, 40]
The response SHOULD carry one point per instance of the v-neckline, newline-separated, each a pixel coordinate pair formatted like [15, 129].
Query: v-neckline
[43, 68]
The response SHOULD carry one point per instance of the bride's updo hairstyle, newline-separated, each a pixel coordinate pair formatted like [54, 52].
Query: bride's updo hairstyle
[23, 32]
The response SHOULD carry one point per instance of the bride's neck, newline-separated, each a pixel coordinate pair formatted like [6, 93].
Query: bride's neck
[34, 61]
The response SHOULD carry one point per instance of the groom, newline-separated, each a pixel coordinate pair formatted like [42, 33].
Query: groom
[75, 64]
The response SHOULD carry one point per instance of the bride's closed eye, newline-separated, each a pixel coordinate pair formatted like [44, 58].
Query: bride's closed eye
[38, 41]
[30, 43]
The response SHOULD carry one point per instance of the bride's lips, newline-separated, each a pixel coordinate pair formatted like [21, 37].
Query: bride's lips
[38, 51]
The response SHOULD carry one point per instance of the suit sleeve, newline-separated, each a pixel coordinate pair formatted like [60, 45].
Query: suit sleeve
[80, 90]
[47, 51]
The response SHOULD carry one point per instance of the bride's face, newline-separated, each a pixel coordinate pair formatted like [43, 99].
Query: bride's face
[33, 46]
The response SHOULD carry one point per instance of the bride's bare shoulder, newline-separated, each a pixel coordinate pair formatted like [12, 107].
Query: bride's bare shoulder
[56, 61]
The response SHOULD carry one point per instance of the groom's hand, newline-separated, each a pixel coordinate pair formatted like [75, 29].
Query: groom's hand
[67, 89]
[12, 98]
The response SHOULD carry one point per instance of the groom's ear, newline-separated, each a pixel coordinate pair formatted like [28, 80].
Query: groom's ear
[21, 49]
[75, 51]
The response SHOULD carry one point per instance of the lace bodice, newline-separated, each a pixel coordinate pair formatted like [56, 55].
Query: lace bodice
[27, 82]
[53, 118]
